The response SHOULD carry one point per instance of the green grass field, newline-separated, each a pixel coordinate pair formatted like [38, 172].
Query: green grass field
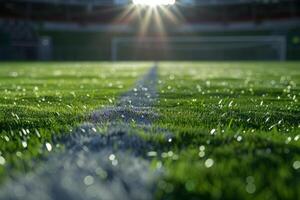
[235, 126]
[38, 101]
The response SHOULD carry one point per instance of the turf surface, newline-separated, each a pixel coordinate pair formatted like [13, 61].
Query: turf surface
[41, 100]
[237, 130]
[235, 126]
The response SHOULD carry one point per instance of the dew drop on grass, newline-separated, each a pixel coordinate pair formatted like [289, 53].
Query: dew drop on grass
[112, 157]
[250, 179]
[6, 138]
[213, 131]
[170, 153]
[268, 118]
[114, 162]
[202, 148]
[239, 138]
[164, 155]
[201, 154]
[88, 180]
[152, 154]
[288, 140]
[24, 131]
[209, 163]
[19, 154]
[2, 161]
[24, 144]
[48, 146]
[220, 102]
[37, 133]
[250, 188]
[296, 165]
[100, 172]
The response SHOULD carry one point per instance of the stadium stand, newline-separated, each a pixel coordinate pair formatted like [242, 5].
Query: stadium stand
[20, 39]
[86, 29]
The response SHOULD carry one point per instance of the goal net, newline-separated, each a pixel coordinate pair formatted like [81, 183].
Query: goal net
[199, 48]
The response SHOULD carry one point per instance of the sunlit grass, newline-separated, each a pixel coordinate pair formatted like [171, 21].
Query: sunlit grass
[39, 101]
[236, 130]
[233, 128]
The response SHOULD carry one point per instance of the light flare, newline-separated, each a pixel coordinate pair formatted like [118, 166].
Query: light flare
[154, 2]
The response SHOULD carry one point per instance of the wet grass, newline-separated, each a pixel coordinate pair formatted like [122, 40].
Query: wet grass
[227, 130]
[236, 130]
[39, 101]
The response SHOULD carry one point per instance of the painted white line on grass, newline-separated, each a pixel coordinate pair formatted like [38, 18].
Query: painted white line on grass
[103, 158]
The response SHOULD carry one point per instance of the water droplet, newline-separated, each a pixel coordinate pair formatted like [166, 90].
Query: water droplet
[88, 180]
[296, 165]
[288, 140]
[209, 163]
[19, 154]
[152, 153]
[100, 172]
[201, 154]
[239, 138]
[202, 148]
[170, 153]
[2, 161]
[24, 144]
[6, 138]
[112, 157]
[250, 188]
[37, 133]
[213, 131]
[250, 179]
[48, 146]
[114, 162]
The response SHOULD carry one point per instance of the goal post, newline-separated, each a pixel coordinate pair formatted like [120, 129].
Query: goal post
[200, 48]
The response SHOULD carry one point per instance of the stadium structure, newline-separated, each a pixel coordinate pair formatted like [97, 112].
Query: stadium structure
[111, 30]
[204, 103]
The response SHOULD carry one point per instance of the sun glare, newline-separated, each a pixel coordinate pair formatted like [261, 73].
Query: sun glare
[154, 2]
[152, 17]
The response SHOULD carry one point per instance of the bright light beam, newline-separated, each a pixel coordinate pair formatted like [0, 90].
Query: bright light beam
[154, 2]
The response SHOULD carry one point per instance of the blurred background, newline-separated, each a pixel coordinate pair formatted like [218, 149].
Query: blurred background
[119, 30]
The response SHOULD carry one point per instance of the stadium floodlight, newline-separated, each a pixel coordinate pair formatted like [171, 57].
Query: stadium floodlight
[154, 2]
